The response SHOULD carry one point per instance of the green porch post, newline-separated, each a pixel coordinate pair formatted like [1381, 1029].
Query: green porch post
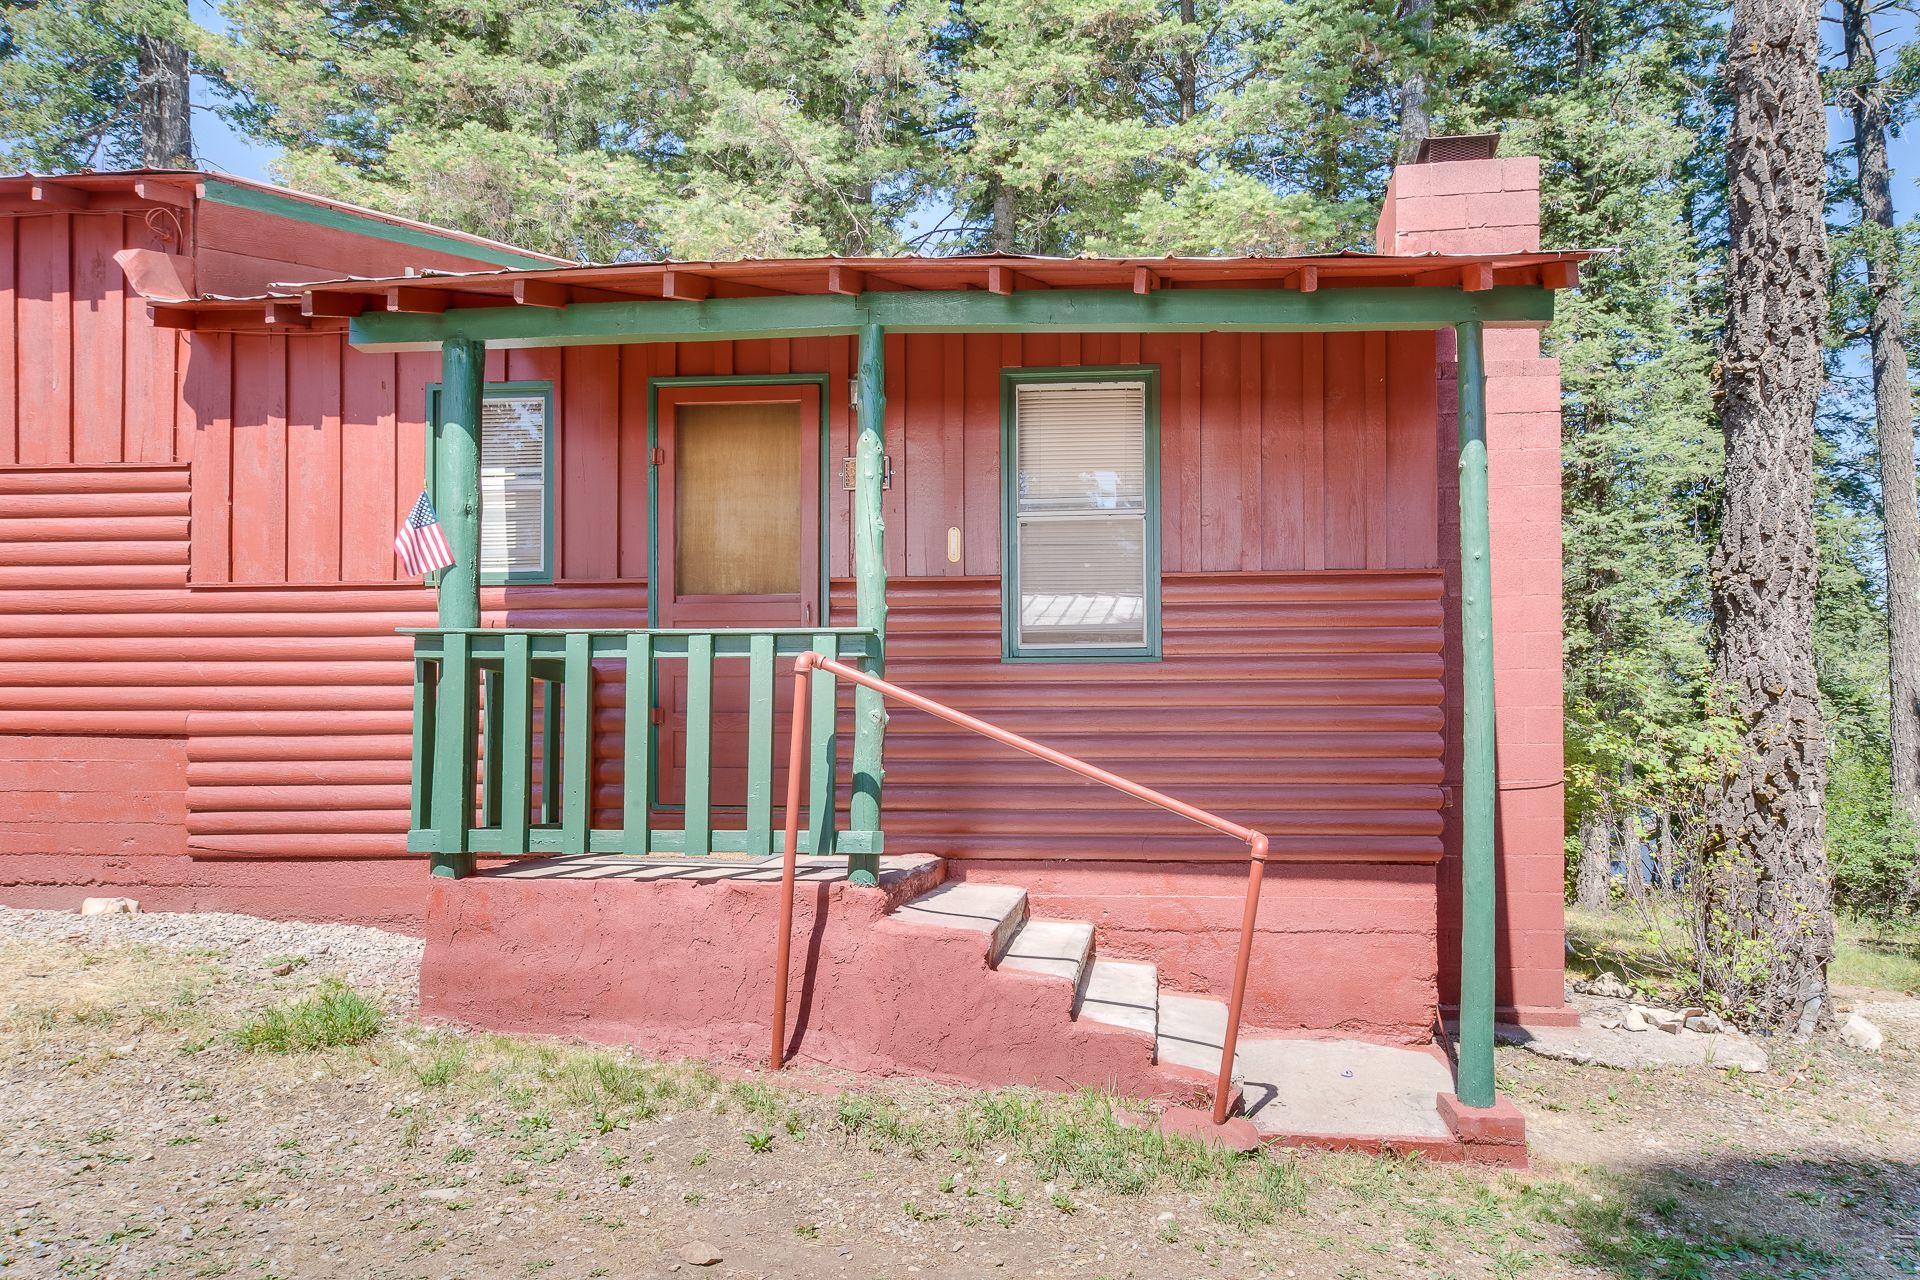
[457, 500]
[870, 585]
[1477, 797]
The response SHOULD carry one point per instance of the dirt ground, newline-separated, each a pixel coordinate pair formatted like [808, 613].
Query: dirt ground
[139, 1136]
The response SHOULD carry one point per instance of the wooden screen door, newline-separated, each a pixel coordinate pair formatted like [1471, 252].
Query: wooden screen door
[738, 533]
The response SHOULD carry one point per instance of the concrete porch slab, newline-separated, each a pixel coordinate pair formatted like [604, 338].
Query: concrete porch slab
[1321, 1090]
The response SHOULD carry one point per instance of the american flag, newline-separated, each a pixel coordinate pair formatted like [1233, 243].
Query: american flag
[422, 547]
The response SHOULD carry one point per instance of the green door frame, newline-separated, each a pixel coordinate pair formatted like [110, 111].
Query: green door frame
[654, 386]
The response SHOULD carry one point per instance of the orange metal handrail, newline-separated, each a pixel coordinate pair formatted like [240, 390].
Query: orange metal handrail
[1255, 841]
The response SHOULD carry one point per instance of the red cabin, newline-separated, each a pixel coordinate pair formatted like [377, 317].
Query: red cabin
[1277, 538]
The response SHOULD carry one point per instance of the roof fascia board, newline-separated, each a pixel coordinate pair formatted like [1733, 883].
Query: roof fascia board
[217, 191]
[1059, 310]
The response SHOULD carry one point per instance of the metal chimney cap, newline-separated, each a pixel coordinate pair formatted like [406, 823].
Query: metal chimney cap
[1459, 146]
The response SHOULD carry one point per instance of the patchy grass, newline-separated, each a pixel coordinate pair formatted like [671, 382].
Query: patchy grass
[1089, 1139]
[333, 1016]
[1652, 950]
[1877, 956]
[1806, 1172]
[1661, 1241]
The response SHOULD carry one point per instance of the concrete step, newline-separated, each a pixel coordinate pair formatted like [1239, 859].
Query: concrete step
[1192, 1029]
[997, 910]
[1058, 947]
[1122, 993]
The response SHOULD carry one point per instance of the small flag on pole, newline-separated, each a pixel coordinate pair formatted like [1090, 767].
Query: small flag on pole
[422, 547]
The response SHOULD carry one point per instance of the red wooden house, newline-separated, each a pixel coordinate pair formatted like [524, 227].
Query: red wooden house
[1197, 521]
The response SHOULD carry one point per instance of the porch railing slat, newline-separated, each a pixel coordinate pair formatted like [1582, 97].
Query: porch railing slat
[699, 740]
[426, 678]
[511, 743]
[636, 775]
[821, 790]
[491, 726]
[760, 735]
[550, 751]
[576, 805]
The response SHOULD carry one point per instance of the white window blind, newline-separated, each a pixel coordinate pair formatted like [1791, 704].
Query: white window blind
[1080, 517]
[513, 485]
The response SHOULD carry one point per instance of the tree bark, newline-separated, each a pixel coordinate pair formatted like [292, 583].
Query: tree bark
[1596, 858]
[1663, 854]
[1631, 852]
[166, 110]
[1893, 407]
[1416, 120]
[1764, 898]
[1188, 77]
[1000, 238]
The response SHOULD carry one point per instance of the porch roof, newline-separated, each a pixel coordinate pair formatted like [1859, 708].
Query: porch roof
[331, 303]
[999, 273]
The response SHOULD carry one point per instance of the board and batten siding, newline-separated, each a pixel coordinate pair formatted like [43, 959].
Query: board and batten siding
[1278, 452]
[85, 376]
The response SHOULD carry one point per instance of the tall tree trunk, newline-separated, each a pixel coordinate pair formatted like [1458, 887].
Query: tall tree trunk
[863, 129]
[1631, 853]
[1631, 834]
[1893, 406]
[166, 111]
[1764, 897]
[1000, 238]
[1663, 854]
[1416, 121]
[1189, 73]
[1596, 858]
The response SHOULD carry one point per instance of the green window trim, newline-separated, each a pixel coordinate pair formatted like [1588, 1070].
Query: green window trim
[544, 574]
[1011, 650]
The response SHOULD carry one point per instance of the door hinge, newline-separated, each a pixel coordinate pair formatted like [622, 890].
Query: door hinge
[848, 468]
[658, 715]
[657, 456]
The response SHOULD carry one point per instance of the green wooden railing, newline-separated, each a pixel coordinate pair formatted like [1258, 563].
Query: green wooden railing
[503, 742]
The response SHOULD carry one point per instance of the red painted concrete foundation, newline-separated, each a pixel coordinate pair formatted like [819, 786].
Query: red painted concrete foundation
[1495, 1135]
[685, 967]
[385, 893]
[1343, 950]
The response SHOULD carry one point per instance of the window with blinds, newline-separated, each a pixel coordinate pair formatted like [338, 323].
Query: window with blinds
[513, 479]
[513, 486]
[1081, 519]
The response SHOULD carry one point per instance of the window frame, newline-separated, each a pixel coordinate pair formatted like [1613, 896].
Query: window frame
[1011, 380]
[544, 389]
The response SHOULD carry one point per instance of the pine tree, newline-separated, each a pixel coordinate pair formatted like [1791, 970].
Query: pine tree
[710, 128]
[95, 84]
